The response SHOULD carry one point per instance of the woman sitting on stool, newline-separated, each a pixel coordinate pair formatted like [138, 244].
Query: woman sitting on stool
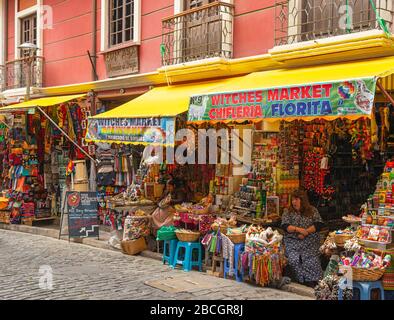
[301, 223]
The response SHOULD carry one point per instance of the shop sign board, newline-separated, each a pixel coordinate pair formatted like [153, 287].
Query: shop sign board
[82, 214]
[122, 61]
[160, 130]
[344, 98]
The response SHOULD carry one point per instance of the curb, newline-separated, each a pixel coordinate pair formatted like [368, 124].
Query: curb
[299, 290]
[53, 233]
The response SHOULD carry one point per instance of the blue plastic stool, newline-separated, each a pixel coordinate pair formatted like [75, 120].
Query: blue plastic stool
[238, 249]
[186, 260]
[169, 248]
[365, 288]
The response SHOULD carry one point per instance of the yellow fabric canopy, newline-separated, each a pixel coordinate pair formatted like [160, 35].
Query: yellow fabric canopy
[291, 77]
[379, 68]
[41, 102]
[130, 124]
[168, 101]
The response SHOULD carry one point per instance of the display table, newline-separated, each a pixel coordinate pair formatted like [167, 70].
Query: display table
[275, 222]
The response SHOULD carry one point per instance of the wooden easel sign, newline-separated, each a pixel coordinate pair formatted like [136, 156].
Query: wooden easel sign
[83, 221]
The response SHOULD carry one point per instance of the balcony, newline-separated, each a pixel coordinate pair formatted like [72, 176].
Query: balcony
[2, 78]
[305, 20]
[13, 74]
[199, 33]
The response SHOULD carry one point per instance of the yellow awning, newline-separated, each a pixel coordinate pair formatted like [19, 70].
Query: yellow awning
[168, 101]
[379, 68]
[41, 102]
[382, 68]
[135, 121]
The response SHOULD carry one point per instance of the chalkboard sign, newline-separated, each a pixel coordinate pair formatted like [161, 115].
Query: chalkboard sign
[82, 214]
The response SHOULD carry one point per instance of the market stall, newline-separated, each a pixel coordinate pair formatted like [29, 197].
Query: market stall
[41, 139]
[135, 171]
[327, 133]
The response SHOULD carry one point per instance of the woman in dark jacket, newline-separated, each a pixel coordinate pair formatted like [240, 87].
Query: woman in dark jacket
[302, 223]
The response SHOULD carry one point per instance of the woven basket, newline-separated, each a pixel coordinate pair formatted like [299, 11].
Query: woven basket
[223, 228]
[340, 239]
[362, 274]
[187, 236]
[237, 238]
[346, 219]
[201, 211]
[133, 247]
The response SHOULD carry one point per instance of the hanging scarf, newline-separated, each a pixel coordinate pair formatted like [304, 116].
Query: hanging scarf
[71, 131]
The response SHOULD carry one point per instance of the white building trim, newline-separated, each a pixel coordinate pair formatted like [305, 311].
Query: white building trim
[178, 5]
[18, 26]
[104, 32]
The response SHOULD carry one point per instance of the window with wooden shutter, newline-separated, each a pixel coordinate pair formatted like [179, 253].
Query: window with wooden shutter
[321, 18]
[29, 29]
[122, 17]
[202, 31]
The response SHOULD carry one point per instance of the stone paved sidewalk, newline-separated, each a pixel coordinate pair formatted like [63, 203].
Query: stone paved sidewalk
[82, 272]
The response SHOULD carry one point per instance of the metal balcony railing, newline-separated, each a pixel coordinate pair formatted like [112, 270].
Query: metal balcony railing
[15, 73]
[2, 78]
[304, 20]
[199, 33]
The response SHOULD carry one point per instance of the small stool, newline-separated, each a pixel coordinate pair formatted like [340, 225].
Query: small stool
[169, 248]
[365, 288]
[208, 260]
[215, 260]
[238, 249]
[187, 262]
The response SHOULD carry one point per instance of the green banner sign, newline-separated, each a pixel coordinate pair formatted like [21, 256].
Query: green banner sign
[353, 97]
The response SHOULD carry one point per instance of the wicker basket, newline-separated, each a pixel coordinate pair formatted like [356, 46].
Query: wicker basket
[187, 236]
[346, 219]
[237, 238]
[223, 228]
[133, 247]
[205, 210]
[340, 239]
[362, 274]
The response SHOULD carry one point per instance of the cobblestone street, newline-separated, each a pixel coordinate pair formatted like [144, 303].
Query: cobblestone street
[83, 272]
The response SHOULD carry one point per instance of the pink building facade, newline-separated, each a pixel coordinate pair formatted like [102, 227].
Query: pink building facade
[67, 30]
[99, 41]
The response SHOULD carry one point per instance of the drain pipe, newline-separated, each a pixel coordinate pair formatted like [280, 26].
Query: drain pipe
[6, 33]
[94, 37]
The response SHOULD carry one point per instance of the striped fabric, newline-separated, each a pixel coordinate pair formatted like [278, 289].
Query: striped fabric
[388, 277]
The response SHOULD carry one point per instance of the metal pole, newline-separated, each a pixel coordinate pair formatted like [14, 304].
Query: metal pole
[385, 93]
[28, 77]
[66, 135]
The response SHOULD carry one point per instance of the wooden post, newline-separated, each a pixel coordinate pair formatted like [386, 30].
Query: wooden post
[385, 93]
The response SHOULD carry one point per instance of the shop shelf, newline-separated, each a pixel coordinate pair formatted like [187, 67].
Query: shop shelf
[376, 245]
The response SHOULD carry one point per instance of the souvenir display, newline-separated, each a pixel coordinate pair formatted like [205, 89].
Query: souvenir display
[329, 246]
[264, 162]
[366, 260]
[136, 225]
[327, 289]
[378, 213]
[224, 223]
[263, 260]
[290, 151]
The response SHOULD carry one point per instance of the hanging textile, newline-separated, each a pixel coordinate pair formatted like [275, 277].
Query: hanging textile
[228, 252]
